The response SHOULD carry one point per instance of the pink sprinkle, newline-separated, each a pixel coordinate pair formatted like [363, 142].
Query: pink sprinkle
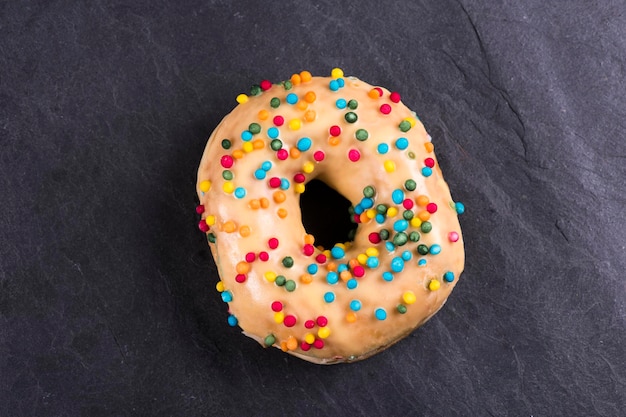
[320, 259]
[309, 324]
[305, 346]
[272, 243]
[319, 156]
[429, 162]
[282, 154]
[379, 90]
[318, 344]
[240, 278]
[266, 85]
[374, 238]
[264, 256]
[354, 155]
[453, 236]
[358, 271]
[203, 226]
[407, 204]
[277, 306]
[322, 321]
[431, 208]
[308, 249]
[200, 209]
[250, 257]
[299, 177]
[279, 120]
[289, 320]
[334, 130]
[274, 182]
[385, 109]
[227, 161]
[394, 97]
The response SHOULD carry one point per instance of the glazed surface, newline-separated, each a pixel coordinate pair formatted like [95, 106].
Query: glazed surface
[328, 305]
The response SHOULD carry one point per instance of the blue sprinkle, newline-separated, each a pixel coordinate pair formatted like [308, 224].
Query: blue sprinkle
[329, 297]
[304, 144]
[459, 207]
[383, 148]
[427, 172]
[388, 276]
[333, 85]
[400, 225]
[341, 104]
[284, 184]
[406, 255]
[332, 277]
[352, 284]
[341, 268]
[232, 321]
[260, 174]
[435, 249]
[421, 262]
[397, 196]
[355, 305]
[240, 192]
[397, 264]
[380, 219]
[448, 276]
[341, 82]
[291, 98]
[367, 203]
[402, 143]
[337, 253]
[246, 135]
[358, 209]
[380, 313]
[312, 269]
[227, 297]
[390, 246]
[272, 132]
[372, 262]
[266, 166]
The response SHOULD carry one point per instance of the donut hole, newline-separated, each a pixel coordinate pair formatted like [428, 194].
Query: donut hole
[325, 214]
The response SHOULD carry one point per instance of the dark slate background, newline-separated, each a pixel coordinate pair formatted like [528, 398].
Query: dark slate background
[107, 299]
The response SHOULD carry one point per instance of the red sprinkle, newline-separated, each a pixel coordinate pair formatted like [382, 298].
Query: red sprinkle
[321, 258]
[318, 344]
[264, 256]
[358, 271]
[274, 182]
[319, 156]
[354, 155]
[431, 208]
[277, 306]
[305, 346]
[272, 243]
[282, 154]
[289, 320]
[429, 162]
[385, 109]
[407, 204]
[334, 130]
[308, 249]
[299, 177]
[374, 237]
[203, 226]
[240, 278]
[379, 90]
[309, 324]
[322, 321]
[200, 209]
[279, 120]
[357, 218]
[227, 161]
[394, 97]
[250, 257]
[266, 85]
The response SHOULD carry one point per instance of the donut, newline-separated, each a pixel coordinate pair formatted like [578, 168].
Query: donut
[354, 298]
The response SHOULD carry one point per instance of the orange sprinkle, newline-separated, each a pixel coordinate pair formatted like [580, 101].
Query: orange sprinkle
[292, 343]
[230, 226]
[294, 153]
[364, 217]
[334, 140]
[238, 154]
[331, 266]
[282, 213]
[302, 105]
[423, 215]
[242, 267]
[306, 278]
[258, 144]
[351, 317]
[283, 346]
[254, 204]
[373, 93]
[263, 114]
[429, 146]
[422, 200]
[310, 97]
[279, 196]
[296, 79]
[265, 203]
[309, 239]
[310, 115]
[353, 262]
[244, 231]
[305, 76]
[345, 275]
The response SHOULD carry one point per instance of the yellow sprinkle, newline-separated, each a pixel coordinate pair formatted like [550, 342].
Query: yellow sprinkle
[392, 211]
[248, 147]
[210, 220]
[242, 98]
[270, 276]
[308, 167]
[323, 332]
[336, 73]
[434, 285]
[279, 317]
[416, 222]
[309, 338]
[327, 254]
[362, 258]
[409, 297]
[295, 124]
[220, 286]
[371, 251]
[411, 120]
[341, 245]
[205, 186]
[299, 188]
[390, 166]
[371, 213]
[228, 187]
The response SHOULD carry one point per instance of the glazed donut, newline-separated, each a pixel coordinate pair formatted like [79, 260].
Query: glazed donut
[346, 302]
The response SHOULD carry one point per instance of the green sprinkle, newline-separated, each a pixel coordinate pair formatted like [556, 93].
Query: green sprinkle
[410, 185]
[381, 209]
[226, 144]
[290, 285]
[353, 104]
[401, 308]
[407, 214]
[227, 175]
[404, 126]
[369, 191]
[400, 239]
[422, 249]
[280, 280]
[351, 234]
[287, 261]
[274, 102]
[414, 237]
[269, 340]
[276, 144]
[211, 238]
[426, 227]
[351, 117]
[361, 134]
[384, 234]
[254, 128]
[255, 90]
[287, 84]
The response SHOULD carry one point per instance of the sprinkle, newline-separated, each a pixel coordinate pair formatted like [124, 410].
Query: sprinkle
[409, 297]
[304, 144]
[422, 249]
[453, 236]
[351, 117]
[434, 285]
[427, 172]
[402, 143]
[287, 261]
[240, 278]
[321, 321]
[355, 305]
[295, 124]
[354, 155]
[205, 186]
[255, 90]
[329, 297]
[203, 226]
[299, 188]
[227, 161]
[279, 196]
[232, 320]
[282, 154]
[388, 276]
[358, 271]
[310, 97]
[309, 324]
[352, 284]
[308, 250]
[277, 306]
[380, 314]
[431, 208]
[405, 126]
[305, 346]
[264, 256]
[426, 227]
[408, 204]
[246, 135]
[272, 243]
[220, 286]
[397, 264]
[228, 187]
[323, 332]
[274, 102]
[448, 276]
[290, 320]
[278, 121]
[336, 73]
[321, 258]
[341, 104]
[337, 252]
[390, 166]
[435, 249]
[397, 196]
[429, 162]
[269, 340]
[226, 144]
[353, 104]
[242, 98]
[227, 175]
[280, 280]
[264, 202]
[375, 92]
[310, 115]
[374, 238]
[400, 225]
[429, 147]
[200, 209]
[459, 207]
[333, 85]
[291, 98]
[394, 97]
[332, 278]
[392, 211]
[306, 278]
[238, 154]
[227, 296]
[318, 344]
[240, 192]
[385, 109]
[334, 131]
